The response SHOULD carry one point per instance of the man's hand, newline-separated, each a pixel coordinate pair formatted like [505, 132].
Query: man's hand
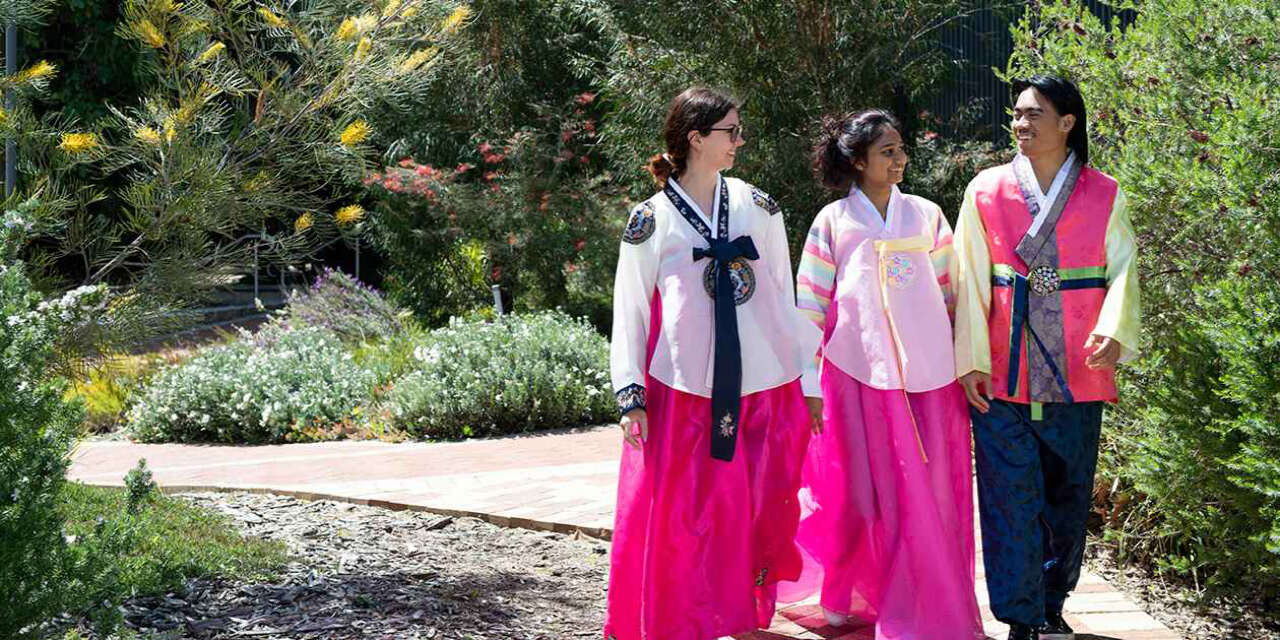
[977, 388]
[1106, 352]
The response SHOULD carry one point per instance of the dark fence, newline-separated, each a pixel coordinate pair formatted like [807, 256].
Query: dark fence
[976, 103]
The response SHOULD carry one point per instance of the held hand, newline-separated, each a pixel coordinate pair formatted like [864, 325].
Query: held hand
[815, 414]
[977, 388]
[1105, 355]
[635, 427]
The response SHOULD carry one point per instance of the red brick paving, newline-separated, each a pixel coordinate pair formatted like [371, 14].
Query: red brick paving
[562, 481]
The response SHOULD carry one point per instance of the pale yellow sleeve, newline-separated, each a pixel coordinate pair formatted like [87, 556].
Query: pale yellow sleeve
[971, 281]
[1121, 315]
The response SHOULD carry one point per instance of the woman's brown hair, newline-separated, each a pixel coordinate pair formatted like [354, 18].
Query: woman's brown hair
[695, 109]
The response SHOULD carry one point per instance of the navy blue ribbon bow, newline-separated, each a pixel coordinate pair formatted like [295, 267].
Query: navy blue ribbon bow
[726, 384]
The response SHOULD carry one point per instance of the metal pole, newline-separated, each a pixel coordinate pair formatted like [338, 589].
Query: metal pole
[256, 295]
[10, 145]
[497, 299]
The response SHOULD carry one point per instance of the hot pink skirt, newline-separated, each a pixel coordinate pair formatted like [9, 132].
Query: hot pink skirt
[888, 537]
[699, 544]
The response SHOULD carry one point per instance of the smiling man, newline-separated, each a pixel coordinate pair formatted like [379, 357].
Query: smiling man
[1046, 305]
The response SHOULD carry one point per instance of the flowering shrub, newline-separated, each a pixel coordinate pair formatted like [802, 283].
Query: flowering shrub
[520, 373]
[531, 209]
[347, 307]
[253, 391]
[37, 430]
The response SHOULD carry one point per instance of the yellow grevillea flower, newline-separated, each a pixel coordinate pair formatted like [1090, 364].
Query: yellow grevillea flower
[41, 69]
[149, 33]
[362, 49]
[147, 135]
[212, 52]
[355, 133]
[271, 18]
[349, 214]
[415, 59]
[303, 222]
[78, 142]
[455, 19]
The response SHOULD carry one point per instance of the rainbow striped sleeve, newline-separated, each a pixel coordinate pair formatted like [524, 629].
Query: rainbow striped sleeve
[942, 255]
[816, 278]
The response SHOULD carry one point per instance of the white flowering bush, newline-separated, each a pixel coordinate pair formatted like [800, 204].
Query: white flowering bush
[264, 389]
[520, 373]
[38, 567]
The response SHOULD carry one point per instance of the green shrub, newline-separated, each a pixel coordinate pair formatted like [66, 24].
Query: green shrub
[37, 430]
[110, 385]
[175, 541]
[1183, 112]
[521, 373]
[261, 388]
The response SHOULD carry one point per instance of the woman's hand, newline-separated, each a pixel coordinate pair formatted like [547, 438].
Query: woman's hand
[815, 414]
[635, 427]
[977, 388]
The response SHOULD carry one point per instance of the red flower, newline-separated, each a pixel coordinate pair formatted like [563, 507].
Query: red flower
[930, 135]
[585, 98]
[495, 274]
[493, 158]
[566, 154]
[570, 267]
[490, 176]
[584, 159]
[406, 162]
[590, 126]
[580, 244]
[464, 167]
[424, 170]
[1200, 136]
[566, 135]
[511, 239]
[484, 147]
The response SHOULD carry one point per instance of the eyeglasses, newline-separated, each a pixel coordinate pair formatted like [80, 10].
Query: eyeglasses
[735, 132]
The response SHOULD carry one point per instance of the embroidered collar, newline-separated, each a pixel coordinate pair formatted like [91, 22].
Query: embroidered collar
[1044, 201]
[697, 219]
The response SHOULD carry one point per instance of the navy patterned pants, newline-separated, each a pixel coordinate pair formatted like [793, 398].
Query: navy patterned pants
[1035, 487]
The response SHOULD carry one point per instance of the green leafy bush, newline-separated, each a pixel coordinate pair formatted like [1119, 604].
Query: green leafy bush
[36, 434]
[261, 388]
[520, 373]
[1183, 112]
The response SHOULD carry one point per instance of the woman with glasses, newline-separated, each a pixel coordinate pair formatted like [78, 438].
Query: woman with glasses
[707, 352]
[887, 491]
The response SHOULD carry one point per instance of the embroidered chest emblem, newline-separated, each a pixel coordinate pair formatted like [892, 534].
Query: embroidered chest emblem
[760, 577]
[741, 276]
[640, 225]
[899, 270]
[765, 201]
[726, 425]
[1044, 280]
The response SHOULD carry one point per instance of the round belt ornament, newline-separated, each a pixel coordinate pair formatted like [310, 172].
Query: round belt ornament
[740, 275]
[1044, 280]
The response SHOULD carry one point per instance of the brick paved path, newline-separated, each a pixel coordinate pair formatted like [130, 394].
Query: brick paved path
[563, 481]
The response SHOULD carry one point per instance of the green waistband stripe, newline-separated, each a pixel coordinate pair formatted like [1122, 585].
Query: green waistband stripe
[1007, 271]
